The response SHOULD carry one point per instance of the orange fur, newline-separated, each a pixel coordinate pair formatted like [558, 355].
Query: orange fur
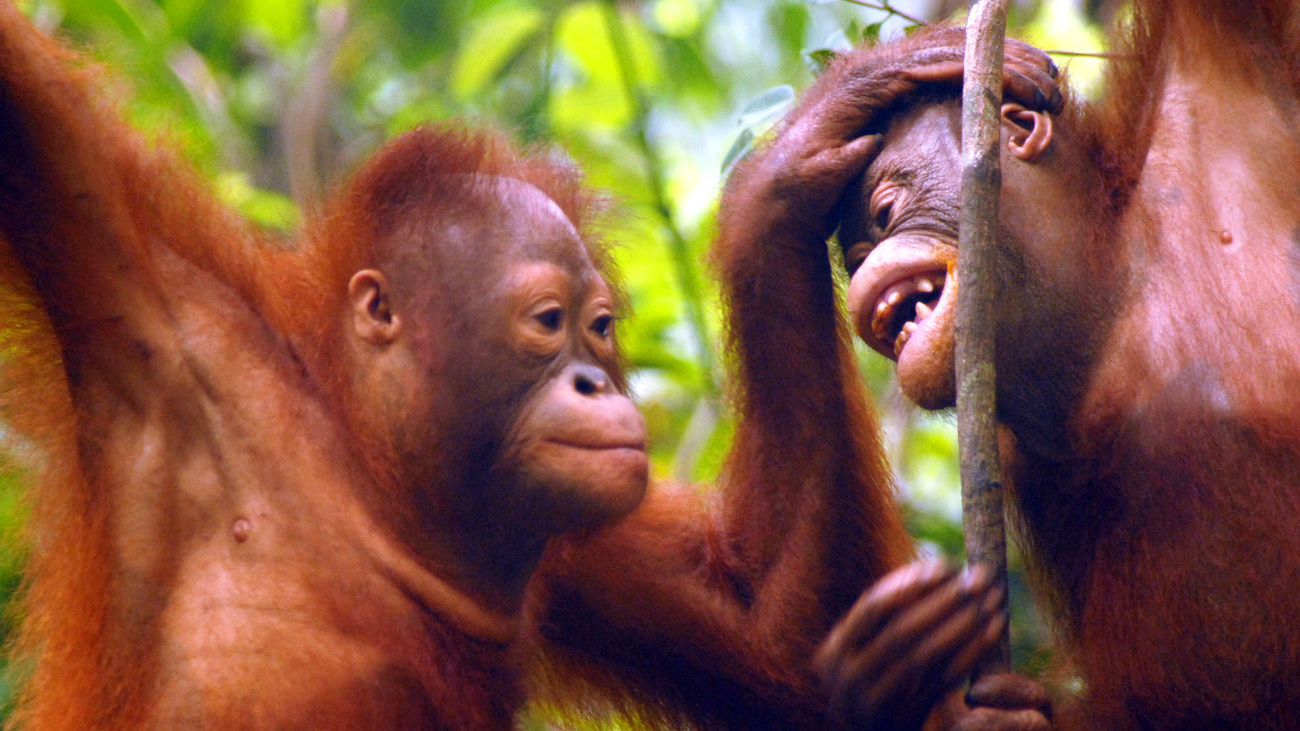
[1161, 535]
[699, 609]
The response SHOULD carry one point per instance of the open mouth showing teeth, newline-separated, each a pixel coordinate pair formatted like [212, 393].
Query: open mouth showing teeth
[904, 305]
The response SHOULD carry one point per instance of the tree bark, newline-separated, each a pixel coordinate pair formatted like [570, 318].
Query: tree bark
[981, 475]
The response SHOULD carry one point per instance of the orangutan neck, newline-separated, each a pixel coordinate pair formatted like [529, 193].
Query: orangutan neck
[440, 596]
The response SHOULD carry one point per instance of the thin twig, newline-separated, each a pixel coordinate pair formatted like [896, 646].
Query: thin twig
[1086, 54]
[913, 19]
[888, 9]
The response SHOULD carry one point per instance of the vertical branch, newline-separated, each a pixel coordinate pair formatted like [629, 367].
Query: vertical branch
[303, 123]
[654, 170]
[981, 476]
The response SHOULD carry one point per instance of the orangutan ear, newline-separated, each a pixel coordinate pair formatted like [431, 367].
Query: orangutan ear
[1031, 132]
[373, 317]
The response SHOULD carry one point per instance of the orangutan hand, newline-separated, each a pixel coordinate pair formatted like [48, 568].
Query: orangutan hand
[909, 641]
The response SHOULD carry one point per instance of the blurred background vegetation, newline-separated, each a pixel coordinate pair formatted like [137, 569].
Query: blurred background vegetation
[277, 99]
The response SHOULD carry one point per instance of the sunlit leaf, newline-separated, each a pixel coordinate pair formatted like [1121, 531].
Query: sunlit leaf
[870, 35]
[687, 72]
[263, 207]
[838, 41]
[739, 148]
[583, 33]
[91, 13]
[767, 105]
[820, 59]
[677, 18]
[281, 20]
[493, 40]
[713, 457]
[789, 22]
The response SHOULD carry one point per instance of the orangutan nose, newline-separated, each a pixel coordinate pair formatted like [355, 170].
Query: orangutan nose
[589, 380]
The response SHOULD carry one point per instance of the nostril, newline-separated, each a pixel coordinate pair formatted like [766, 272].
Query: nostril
[590, 381]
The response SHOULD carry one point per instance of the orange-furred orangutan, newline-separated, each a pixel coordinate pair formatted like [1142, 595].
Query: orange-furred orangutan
[1148, 358]
[389, 478]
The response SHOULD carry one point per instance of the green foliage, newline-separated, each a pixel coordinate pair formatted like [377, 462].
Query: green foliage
[490, 46]
[12, 554]
[759, 113]
[819, 59]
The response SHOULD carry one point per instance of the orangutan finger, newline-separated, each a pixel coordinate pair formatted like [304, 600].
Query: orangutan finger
[979, 646]
[837, 166]
[918, 638]
[1030, 55]
[899, 589]
[987, 719]
[1030, 86]
[1009, 691]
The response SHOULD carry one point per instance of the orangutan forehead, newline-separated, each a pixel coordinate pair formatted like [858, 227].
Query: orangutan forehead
[497, 216]
[515, 193]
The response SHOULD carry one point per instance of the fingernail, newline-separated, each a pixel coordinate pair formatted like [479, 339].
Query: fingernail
[1040, 101]
[1052, 70]
[1057, 99]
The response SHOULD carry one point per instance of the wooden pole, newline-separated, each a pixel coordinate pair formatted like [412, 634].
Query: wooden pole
[977, 282]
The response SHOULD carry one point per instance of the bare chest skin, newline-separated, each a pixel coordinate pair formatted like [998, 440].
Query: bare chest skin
[1189, 442]
[285, 603]
[1242, 259]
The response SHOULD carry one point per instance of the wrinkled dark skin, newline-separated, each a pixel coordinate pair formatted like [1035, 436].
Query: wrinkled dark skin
[909, 642]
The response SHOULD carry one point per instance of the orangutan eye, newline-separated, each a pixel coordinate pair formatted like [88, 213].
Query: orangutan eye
[883, 215]
[550, 319]
[883, 203]
[603, 326]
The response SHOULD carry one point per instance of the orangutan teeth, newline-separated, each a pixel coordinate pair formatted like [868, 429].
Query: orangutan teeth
[903, 305]
[899, 342]
[904, 335]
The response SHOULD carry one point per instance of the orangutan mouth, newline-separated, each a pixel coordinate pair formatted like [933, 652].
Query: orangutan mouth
[637, 445]
[904, 305]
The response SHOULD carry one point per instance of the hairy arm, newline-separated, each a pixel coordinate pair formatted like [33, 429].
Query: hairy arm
[722, 600]
[87, 206]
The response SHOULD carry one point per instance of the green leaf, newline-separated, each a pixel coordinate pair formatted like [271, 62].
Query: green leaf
[677, 18]
[838, 41]
[281, 20]
[789, 23]
[493, 41]
[767, 105]
[820, 59]
[264, 207]
[744, 142]
[871, 34]
[583, 33]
